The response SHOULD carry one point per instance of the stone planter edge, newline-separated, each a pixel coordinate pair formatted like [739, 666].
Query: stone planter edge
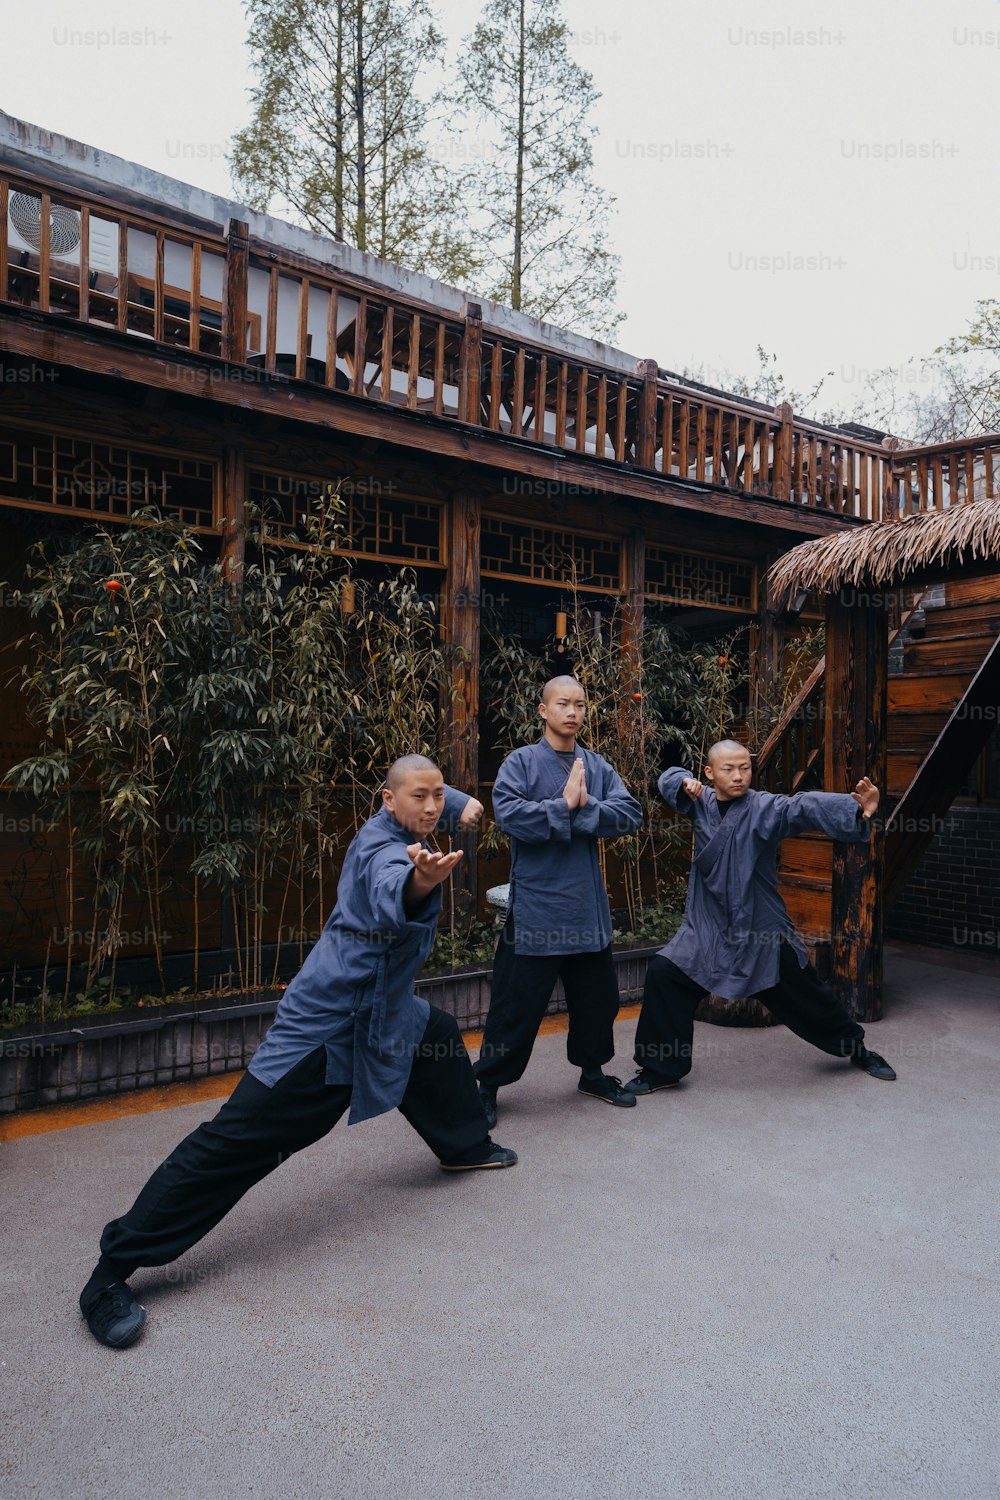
[53, 1064]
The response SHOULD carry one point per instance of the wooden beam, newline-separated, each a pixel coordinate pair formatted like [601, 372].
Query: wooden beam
[783, 452]
[105, 354]
[856, 721]
[646, 443]
[634, 604]
[234, 291]
[766, 639]
[471, 372]
[460, 621]
[234, 513]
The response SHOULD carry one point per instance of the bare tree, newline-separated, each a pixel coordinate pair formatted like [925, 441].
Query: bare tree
[544, 219]
[338, 137]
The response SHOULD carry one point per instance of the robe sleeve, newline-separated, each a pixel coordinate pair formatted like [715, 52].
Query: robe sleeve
[613, 814]
[454, 806]
[832, 813]
[384, 879]
[669, 786]
[517, 814]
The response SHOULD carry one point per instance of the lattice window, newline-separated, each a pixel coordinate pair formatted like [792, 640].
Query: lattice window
[515, 549]
[376, 522]
[54, 471]
[709, 582]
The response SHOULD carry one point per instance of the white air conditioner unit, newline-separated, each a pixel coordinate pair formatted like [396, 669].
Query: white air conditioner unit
[24, 234]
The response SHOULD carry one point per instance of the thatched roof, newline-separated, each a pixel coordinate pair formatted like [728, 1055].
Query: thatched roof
[887, 552]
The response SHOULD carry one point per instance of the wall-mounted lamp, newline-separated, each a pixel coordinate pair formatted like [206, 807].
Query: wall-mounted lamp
[560, 629]
[347, 598]
[799, 602]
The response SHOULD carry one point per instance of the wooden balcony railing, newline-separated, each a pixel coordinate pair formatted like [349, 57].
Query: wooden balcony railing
[939, 475]
[226, 295]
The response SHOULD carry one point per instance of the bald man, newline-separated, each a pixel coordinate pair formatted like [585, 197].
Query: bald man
[556, 800]
[737, 938]
[349, 1033]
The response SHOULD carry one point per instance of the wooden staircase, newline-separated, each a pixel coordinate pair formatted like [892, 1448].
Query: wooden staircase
[944, 685]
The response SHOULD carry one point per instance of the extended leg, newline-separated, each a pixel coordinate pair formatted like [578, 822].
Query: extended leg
[592, 1000]
[522, 988]
[212, 1168]
[442, 1101]
[664, 1037]
[810, 1008]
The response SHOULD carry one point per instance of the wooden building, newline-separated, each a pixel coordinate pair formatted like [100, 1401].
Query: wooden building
[159, 343]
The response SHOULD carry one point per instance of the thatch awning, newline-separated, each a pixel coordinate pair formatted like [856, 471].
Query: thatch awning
[888, 552]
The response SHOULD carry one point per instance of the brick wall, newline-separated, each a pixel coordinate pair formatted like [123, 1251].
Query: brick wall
[953, 899]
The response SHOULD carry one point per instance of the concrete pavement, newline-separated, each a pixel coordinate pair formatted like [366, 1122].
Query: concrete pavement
[776, 1281]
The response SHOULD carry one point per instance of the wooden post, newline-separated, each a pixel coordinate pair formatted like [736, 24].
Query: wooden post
[783, 452]
[766, 639]
[460, 617]
[234, 512]
[234, 291]
[471, 371]
[856, 722]
[646, 444]
[889, 508]
[634, 611]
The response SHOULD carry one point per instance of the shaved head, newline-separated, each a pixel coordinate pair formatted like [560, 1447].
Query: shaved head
[405, 766]
[560, 684]
[725, 747]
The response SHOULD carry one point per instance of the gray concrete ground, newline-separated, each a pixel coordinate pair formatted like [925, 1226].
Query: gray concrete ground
[779, 1280]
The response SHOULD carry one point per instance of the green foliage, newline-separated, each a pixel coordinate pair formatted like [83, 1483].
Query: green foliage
[665, 699]
[339, 133]
[455, 947]
[224, 732]
[541, 218]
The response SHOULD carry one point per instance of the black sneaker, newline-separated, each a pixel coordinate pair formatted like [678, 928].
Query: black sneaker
[113, 1315]
[607, 1088]
[488, 1154]
[488, 1100]
[646, 1082]
[873, 1064]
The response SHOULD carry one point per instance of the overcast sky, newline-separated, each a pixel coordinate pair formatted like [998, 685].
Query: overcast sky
[819, 179]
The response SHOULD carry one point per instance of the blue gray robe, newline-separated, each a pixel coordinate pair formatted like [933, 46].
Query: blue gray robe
[354, 993]
[558, 897]
[734, 917]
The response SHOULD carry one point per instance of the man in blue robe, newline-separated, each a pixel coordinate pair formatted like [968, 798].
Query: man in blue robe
[555, 800]
[737, 938]
[349, 1032]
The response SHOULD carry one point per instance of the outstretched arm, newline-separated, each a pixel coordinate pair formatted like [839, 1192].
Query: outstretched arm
[845, 816]
[429, 871]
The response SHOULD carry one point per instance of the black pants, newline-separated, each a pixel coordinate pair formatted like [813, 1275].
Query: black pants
[663, 1037]
[521, 990]
[260, 1127]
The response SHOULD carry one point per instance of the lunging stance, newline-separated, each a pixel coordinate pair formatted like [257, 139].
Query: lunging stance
[556, 799]
[737, 938]
[349, 1033]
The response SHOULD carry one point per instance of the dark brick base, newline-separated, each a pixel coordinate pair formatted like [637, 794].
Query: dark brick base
[953, 900]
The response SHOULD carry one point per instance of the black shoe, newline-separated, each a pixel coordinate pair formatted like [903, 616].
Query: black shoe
[489, 1154]
[646, 1082]
[875, 1066]
[607, 1088]
[113, 1315]
[488, 1100]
